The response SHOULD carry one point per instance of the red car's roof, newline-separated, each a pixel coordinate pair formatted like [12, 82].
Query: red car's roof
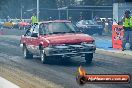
[55, 21]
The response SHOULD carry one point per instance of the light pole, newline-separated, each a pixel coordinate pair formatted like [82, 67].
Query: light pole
[22, 11]
[38, 10]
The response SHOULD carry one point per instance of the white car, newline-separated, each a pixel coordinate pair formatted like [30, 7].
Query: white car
[89, 27]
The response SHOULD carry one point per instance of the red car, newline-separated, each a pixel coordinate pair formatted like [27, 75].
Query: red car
[58, 38]
[24, 23]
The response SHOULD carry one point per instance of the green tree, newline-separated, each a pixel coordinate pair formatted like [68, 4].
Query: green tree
[101, 2]
[62, 3]
[13, 8]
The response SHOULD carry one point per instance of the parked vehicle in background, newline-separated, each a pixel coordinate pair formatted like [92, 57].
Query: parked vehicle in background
[24, 23]
[15, 23]
[57, 38]
[90, 27]
[8, 24]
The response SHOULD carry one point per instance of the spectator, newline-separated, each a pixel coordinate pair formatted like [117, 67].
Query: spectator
[99, 22]
[106, 26]
[70, 19]
[8, 19]
[127, 26]
[34, 18]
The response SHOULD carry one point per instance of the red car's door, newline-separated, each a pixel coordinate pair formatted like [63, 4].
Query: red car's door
[28, 39]
[34, 39]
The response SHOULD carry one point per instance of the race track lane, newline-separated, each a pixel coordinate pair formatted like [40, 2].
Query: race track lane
[58, 73]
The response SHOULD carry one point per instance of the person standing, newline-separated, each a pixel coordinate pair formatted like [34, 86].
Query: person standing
[34, 18]
[8, 19]
[127, 26]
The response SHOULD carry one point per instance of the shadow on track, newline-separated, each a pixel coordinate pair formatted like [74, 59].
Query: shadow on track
[69, 62]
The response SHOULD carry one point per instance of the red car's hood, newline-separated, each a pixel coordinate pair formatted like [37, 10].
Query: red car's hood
[67, 38]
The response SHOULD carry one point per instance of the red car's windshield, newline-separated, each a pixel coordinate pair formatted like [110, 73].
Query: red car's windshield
[58, 27]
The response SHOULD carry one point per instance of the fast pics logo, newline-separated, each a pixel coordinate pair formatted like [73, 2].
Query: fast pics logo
[82, 77]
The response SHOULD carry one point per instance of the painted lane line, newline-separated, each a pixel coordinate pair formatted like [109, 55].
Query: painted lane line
[7, 84]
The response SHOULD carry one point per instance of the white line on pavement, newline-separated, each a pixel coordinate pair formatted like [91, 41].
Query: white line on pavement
[7, 84]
